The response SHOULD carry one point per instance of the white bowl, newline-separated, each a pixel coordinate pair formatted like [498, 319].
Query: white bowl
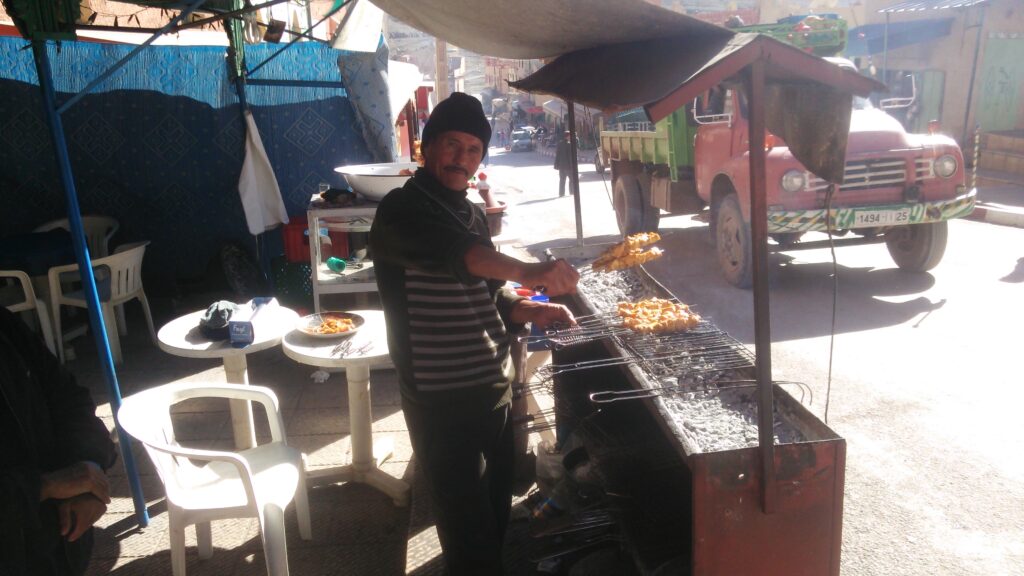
[374, 181]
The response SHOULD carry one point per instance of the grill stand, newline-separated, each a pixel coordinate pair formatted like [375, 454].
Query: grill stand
[727, 530]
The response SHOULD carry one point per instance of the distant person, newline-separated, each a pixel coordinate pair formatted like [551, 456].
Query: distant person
[563, 162]
[55, 451]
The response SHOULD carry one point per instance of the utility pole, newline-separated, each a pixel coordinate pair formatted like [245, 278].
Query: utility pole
[441, 87]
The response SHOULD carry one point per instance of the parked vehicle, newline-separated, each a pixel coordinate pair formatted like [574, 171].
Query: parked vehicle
[899, 188]
[521, 140]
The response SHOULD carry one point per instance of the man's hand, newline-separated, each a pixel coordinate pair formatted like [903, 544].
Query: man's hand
[78, 514]
[541, 314]
[557, 277]
[77, 479]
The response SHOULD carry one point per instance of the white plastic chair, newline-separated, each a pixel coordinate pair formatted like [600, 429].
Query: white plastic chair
[98, 232]
[23, 298]
[206, 485]
[118, 279]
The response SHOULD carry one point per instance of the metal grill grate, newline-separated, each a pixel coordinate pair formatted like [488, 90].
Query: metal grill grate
[703, 349]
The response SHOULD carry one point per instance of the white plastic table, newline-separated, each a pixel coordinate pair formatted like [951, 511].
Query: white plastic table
[368, 348]
[182, 337]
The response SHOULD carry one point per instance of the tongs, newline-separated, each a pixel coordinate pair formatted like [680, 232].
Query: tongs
[617, 395]
[559, 336]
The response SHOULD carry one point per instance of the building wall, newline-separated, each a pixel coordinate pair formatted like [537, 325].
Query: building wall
[998, 88]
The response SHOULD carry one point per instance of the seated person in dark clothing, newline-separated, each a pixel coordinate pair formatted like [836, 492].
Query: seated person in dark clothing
[53, 453]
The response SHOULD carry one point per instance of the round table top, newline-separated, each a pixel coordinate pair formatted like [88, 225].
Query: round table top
[182, 337]
[368, 346]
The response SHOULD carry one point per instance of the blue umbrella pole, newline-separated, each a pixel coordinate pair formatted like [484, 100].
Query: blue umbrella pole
[84, 265]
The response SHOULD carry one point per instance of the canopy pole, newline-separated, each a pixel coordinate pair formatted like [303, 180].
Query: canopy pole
[574, 174]
[759, 252]
[974, 71]
[85, 269]
[885, 51]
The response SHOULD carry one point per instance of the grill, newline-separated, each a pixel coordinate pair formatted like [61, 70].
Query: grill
[670, 422]
[882, 173]
[703, 349]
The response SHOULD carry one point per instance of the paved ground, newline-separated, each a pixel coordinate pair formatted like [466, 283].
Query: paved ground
[1002, 205]
[356, 529]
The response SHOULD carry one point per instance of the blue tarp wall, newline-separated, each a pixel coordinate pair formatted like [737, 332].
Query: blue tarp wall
[159, 145]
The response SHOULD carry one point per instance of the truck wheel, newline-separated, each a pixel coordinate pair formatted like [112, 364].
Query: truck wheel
[652, 214]
[628, 205]
[732, 243]
[917, 247]
[597, 163]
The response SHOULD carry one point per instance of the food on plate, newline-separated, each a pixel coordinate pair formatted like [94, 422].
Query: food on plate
[334, 325]
[405, 172]
[655, 315]
[629, 252]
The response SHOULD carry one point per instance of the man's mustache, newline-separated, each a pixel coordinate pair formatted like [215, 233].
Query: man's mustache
[457, 169]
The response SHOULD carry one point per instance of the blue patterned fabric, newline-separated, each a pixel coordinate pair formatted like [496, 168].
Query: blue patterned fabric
[159, 145]
[367, 77]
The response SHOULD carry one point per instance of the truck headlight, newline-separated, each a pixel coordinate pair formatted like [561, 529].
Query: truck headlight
[793, 181]
[945, 166]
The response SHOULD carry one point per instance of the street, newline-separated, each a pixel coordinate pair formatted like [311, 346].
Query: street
[925, 387]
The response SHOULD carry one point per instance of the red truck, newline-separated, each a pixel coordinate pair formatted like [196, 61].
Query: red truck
[899, 188]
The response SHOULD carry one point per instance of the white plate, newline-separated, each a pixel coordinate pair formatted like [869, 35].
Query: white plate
[309, 325]
[374, 181]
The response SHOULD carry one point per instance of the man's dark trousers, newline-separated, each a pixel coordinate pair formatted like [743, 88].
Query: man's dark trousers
[468, 458]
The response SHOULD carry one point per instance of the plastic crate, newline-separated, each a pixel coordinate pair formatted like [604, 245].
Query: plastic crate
[293, 284]
[296, 241]
[338, 247]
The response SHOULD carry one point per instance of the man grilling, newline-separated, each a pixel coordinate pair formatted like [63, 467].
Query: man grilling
[441, 286]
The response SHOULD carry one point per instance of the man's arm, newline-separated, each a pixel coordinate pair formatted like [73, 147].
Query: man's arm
[557, 277]
[82, 442]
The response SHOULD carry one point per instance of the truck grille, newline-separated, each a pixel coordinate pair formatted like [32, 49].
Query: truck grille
[880, 173]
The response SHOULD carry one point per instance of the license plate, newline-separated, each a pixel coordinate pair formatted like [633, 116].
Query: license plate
[881, 217]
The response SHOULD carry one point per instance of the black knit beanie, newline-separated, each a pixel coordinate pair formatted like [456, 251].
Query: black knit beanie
[460, 112]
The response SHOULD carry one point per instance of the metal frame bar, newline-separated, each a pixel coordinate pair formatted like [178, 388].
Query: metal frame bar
[574, 174]
[303, 83]
[252, 71]
[120, 63]
[755, 83]
[90, 292]
[53, 115]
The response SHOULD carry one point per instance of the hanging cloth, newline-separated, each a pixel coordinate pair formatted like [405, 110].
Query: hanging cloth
[257, 185]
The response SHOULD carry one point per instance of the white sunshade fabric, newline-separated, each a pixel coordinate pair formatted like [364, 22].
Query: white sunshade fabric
[528, 29]
[403, 80]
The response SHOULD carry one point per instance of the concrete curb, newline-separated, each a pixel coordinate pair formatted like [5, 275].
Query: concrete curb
[998, 214]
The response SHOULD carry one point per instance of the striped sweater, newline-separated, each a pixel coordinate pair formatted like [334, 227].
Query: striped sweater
[446, 328]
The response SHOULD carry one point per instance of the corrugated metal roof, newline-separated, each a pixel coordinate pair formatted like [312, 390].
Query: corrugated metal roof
[922, 5]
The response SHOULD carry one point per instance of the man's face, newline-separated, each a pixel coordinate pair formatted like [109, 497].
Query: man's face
[453, 157]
